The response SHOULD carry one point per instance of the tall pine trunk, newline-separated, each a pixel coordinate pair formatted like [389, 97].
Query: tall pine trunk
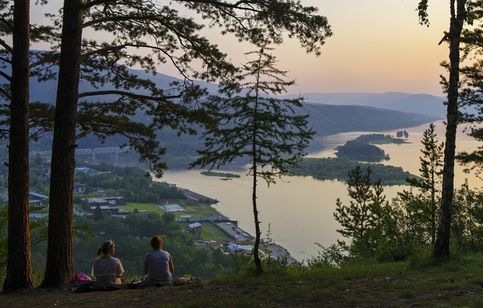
[458, 16]
[59, 252]
[19, 267]
[256, 247]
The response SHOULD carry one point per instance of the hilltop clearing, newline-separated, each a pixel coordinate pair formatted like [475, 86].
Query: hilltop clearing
[454, 284]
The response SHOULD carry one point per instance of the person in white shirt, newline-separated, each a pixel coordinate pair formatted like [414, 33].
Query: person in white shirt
[107, 269]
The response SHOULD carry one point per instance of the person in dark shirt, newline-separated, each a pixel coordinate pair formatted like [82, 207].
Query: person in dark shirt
[158, 264]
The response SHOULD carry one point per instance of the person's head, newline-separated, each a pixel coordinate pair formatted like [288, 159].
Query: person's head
[157, 242]
[107, 249]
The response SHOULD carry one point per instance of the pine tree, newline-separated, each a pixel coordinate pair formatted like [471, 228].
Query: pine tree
[361, 217]
[471, 92]
[459, 15]
[423, 208]
[168, 37]
[266, 130]
[19, 267]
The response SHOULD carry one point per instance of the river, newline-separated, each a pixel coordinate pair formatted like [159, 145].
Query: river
[300, 210]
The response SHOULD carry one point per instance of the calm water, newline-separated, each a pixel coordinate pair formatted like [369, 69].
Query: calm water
[300, 210]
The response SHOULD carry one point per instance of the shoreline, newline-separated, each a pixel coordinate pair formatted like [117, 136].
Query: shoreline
[230, 227]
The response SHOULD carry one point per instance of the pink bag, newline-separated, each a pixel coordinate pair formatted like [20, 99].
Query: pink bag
[81, 278]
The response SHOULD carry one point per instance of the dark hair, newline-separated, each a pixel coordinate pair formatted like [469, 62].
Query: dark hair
[156, 242]
[106, 248]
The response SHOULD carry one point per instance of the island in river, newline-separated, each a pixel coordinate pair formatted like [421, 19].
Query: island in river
[338, 169]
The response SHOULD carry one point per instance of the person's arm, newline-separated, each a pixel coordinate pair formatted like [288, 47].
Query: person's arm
[171, 264]
[120, 271]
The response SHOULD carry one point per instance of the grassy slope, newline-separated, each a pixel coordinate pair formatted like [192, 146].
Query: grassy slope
[150, 207]
[456, 284]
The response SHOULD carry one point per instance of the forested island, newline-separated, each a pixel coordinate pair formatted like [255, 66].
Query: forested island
[362, 148]
[225, 175]
[362, 151]
[338, 169]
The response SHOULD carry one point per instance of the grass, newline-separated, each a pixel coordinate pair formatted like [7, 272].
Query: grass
[210, 232]
[458, 283]
[199, 211]
[150, 207]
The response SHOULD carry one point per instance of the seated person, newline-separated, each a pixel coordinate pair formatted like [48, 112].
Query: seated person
[158, 264]
[107, 270]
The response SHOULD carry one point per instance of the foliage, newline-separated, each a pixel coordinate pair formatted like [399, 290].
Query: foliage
[463, 90]
[339, 168]
[357, 150]
[220, 174]
[471, 89]
[131, 183]
[363, 219]
[423, 206]
[379, 139]
[468, 223]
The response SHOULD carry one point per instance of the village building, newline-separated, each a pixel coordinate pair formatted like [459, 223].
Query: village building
[237, 248]
[172, 208]
[108, 205]
[38, 199]
[238, 235]
[195, 228]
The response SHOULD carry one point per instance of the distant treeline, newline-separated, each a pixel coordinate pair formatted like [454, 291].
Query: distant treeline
[338, 169]
[379, 139]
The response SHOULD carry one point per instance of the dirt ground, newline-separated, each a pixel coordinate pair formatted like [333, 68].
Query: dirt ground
[380, 292]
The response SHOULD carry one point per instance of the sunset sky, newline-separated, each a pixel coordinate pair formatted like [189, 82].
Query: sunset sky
[377, 46]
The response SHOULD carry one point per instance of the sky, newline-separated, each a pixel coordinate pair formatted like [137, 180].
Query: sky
[377, 46]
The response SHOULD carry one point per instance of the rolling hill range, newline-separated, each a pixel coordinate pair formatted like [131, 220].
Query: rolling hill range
[329, 113]
[405, 102]
[346, 112]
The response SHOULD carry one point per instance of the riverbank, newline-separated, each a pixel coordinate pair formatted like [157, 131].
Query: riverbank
[206, 223]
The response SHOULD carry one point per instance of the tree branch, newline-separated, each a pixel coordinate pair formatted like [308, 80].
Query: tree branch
[5, 93]
[219, 4]
[93, 22]
[5, 60]
[6, 46]
[6, 76]
[93, 3]
[128, 94]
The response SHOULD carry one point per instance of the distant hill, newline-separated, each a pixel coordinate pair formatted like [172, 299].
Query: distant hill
[46, 91]
[330, 119]
[414, 103]
[325, 119]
